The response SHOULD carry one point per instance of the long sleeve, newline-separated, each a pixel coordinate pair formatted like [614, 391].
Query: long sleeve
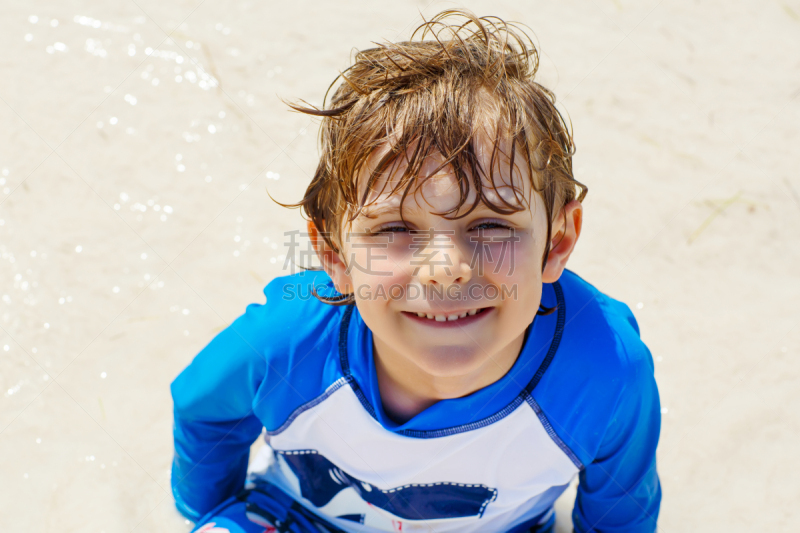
[214, 420]
[253, 374]
[619, 492]
[600, 395]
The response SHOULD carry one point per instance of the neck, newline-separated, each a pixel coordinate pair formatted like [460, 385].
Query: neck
[407, 389]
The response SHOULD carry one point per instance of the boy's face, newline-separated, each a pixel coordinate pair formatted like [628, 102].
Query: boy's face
[449, 298]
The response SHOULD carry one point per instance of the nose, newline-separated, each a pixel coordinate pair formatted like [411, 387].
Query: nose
[441, 262]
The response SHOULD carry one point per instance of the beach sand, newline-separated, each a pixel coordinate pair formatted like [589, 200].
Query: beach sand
[140, 139]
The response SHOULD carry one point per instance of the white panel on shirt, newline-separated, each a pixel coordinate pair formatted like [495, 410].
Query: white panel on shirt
[514, 460]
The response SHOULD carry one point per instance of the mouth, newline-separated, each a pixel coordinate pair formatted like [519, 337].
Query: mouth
[461, 318]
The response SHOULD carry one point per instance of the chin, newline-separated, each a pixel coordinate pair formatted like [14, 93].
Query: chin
[451, 361]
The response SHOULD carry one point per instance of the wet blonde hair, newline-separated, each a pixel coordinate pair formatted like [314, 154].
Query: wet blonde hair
[438, 95]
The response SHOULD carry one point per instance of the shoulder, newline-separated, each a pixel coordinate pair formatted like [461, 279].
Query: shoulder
[271, 343]
[291, 311]
[290, 318]
[292, 330]
[600, 333]
[302, 345]
[601, 364]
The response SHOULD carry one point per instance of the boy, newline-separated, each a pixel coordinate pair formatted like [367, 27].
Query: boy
[448, 374]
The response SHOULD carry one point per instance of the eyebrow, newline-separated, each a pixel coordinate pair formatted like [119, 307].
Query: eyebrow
[375, 212]
[371, 213]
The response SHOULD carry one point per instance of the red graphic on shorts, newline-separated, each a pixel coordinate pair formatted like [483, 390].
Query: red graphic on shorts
[261, 521]
[211, 528]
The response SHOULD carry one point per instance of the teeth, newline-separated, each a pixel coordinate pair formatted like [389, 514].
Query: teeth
[447, 318]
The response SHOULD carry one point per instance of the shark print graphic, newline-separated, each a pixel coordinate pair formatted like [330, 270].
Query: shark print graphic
[321, 481]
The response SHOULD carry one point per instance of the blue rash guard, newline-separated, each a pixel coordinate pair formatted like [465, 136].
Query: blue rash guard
[580, 400]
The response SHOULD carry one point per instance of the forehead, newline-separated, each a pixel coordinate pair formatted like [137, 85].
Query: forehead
[437, 187]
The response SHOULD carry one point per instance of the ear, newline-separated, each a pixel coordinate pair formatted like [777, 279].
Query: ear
[332, 262]
[566, 230]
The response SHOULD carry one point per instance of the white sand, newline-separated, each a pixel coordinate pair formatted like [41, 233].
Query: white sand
[685, 117]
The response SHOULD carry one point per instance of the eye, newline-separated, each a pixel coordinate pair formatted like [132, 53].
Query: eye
[389, 228]
[491, 225]
[492, 231]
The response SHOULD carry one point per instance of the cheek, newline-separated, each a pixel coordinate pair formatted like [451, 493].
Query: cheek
[507, 260]
[377, 269]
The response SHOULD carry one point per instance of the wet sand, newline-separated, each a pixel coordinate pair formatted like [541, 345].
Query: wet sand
[140, 139]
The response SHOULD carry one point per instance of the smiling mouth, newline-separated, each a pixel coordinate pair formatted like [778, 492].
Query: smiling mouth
[455, 317]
